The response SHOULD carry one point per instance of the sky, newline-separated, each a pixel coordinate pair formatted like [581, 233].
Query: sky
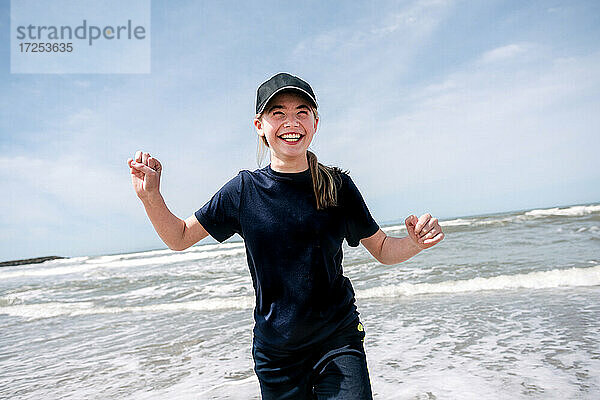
[454, 108]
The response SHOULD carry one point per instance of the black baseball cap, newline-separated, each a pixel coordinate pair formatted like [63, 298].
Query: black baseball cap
[277, 83]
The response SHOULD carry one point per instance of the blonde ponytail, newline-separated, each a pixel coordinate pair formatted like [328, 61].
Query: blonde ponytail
[326, 182]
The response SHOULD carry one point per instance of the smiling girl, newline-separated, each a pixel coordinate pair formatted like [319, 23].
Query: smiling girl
[293, 215]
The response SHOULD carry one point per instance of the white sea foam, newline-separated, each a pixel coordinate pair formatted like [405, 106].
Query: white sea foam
[589, 276]
[55, 309]
[573, 277]
[457, 222]
[153, 253]
[10, 301]
[172, 258]
[388, 229]
[168, 258]
[66, 260]
[569, 211]
[573, 211]
[45, 271]
[452, 222]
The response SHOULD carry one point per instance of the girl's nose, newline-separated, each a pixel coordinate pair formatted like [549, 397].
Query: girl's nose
[291, 121]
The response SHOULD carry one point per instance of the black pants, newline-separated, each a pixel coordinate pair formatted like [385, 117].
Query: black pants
[335, 369]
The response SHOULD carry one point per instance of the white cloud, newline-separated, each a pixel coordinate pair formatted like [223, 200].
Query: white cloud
[82, 84]
[413, 23]
[417, 19]
[496, 129]
[81, 184]
[504, 52]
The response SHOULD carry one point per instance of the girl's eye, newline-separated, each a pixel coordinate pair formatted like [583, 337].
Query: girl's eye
[303, 112]
[277, 113]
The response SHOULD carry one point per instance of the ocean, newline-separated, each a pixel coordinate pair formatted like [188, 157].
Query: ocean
[507, 306]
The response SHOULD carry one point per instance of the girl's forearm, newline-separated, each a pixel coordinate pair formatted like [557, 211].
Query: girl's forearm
[169, 227]
[396, 250]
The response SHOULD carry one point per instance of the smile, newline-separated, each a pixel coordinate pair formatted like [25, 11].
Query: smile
[291, 137]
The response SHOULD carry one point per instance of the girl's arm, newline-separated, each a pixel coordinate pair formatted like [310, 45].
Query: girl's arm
[176, 233]
[422, 234]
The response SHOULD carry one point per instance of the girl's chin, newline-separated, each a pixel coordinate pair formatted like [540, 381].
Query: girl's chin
[288, 154]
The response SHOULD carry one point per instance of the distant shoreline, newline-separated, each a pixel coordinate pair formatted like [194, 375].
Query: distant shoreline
[36, 260]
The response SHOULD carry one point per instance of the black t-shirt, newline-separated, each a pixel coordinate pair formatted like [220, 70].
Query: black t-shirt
[294, 251]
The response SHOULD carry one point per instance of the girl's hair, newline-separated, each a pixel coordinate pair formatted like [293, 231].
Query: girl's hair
[326, 181]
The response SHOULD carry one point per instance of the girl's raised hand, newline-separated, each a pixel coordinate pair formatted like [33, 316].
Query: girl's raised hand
[425, 231]
[145, 174]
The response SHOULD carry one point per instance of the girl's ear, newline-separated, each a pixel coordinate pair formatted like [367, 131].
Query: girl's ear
[258, 126]
[316, 123]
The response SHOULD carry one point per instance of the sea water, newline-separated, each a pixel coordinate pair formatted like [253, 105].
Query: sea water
[507, 306]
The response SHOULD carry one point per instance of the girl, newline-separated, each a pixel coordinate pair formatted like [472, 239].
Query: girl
[293, 215]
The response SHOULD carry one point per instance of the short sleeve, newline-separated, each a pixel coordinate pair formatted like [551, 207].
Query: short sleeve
[359, 223]
[220, 215]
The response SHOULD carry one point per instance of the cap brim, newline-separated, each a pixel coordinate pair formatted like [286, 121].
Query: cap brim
[262, 108]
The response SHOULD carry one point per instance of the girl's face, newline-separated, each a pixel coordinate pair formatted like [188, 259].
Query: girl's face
[288, 124]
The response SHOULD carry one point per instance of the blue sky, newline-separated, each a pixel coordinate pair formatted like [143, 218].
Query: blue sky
[449, 107]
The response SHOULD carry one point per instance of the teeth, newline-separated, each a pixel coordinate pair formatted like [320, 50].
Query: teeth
[291, 136]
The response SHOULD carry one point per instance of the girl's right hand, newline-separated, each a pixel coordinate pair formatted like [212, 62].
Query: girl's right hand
[145, 174]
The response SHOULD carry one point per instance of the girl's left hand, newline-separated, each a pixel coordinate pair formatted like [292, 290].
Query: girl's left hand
[425, 232]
